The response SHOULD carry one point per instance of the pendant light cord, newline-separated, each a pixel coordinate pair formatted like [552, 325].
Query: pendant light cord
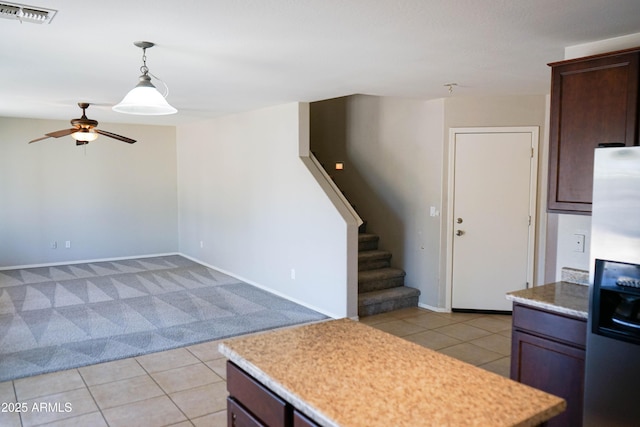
[145, 70]
[166, 88]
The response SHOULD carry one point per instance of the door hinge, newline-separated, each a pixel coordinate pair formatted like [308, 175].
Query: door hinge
[529, 219]
[532, 152]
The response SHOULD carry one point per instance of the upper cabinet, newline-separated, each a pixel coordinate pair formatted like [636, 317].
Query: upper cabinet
[594, 101]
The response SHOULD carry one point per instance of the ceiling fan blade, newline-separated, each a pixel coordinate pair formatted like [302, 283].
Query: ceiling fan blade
[114, 136]
[59, 133]
[39, 139]
[56, 134]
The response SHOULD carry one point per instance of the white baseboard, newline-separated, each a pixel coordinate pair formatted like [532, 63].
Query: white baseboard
[264, 288]
[84, 261]
[243, 279]
[432, 308]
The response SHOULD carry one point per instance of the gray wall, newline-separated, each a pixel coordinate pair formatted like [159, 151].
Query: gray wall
[395, 152]
[514, 111]
[109, 199]
[246, 191]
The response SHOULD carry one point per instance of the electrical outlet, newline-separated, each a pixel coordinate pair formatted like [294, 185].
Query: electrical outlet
[54, 245]
[578, 242]
[67, 244]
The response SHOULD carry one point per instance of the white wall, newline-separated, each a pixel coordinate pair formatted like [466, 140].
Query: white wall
[109, 199]
[249, 206]
[628, 41]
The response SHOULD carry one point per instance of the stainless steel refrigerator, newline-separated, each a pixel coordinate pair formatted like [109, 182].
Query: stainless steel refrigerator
[612, 373]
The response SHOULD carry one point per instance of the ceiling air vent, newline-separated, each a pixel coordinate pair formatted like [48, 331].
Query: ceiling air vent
[23, 13]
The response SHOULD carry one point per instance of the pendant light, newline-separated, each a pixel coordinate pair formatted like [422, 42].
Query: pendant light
[144, 99]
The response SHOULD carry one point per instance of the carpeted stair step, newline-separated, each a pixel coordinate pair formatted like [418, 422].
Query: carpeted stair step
[371, 260]
[386, 300]
[367, 242]
[381, 278]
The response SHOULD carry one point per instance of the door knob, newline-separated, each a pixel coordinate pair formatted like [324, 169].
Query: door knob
[459, 233]
[459, 220]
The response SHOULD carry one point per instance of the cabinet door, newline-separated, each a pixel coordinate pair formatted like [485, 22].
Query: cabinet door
[300, 420]
[261, 402]
[552, 367]
[592, 102]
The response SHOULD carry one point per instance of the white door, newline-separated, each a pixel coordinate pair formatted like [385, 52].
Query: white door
[493, 203]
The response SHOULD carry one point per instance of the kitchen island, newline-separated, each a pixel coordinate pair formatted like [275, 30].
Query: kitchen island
[344, 373]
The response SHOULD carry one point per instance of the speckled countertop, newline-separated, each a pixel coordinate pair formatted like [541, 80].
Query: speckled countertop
[345, 373]
[560, 297]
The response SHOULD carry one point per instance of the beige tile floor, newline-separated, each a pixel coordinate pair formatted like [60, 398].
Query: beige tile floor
[187, 387]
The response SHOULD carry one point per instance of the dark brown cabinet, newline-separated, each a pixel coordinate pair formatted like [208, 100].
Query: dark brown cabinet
[548, 353]
[300, 420]
[238, 416]
[251, 404]
[594, 100]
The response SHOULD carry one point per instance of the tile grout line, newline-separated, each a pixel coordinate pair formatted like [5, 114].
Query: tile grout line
[93, 398]
[214, 372]
[467, 322]
[165, 392]
[15, 397]
[206, 353]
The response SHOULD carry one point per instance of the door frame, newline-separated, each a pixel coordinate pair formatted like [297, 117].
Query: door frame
[533, 187]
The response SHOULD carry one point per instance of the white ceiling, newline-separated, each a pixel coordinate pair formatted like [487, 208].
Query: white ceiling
[225, 56]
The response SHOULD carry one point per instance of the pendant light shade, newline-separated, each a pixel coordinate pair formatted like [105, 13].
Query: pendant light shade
[144, 99]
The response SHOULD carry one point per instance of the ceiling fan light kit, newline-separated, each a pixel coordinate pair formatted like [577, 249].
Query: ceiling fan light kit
[144, 99]
[84, 130]
[84, 135]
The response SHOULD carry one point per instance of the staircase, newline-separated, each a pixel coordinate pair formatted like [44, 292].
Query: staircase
[380, 287]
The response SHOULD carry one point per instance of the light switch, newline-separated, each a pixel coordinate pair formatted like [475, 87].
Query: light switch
[578, 242]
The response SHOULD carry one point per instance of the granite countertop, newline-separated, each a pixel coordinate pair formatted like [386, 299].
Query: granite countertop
[345, 373]
[561, 297]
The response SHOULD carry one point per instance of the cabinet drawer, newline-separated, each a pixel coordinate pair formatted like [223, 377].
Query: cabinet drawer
[257, 399]
[567, 329]
[237, 416]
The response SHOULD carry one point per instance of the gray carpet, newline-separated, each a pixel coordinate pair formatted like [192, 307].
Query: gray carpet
[55, 318]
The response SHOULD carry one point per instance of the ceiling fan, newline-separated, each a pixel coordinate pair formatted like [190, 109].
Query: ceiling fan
[84, 130]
